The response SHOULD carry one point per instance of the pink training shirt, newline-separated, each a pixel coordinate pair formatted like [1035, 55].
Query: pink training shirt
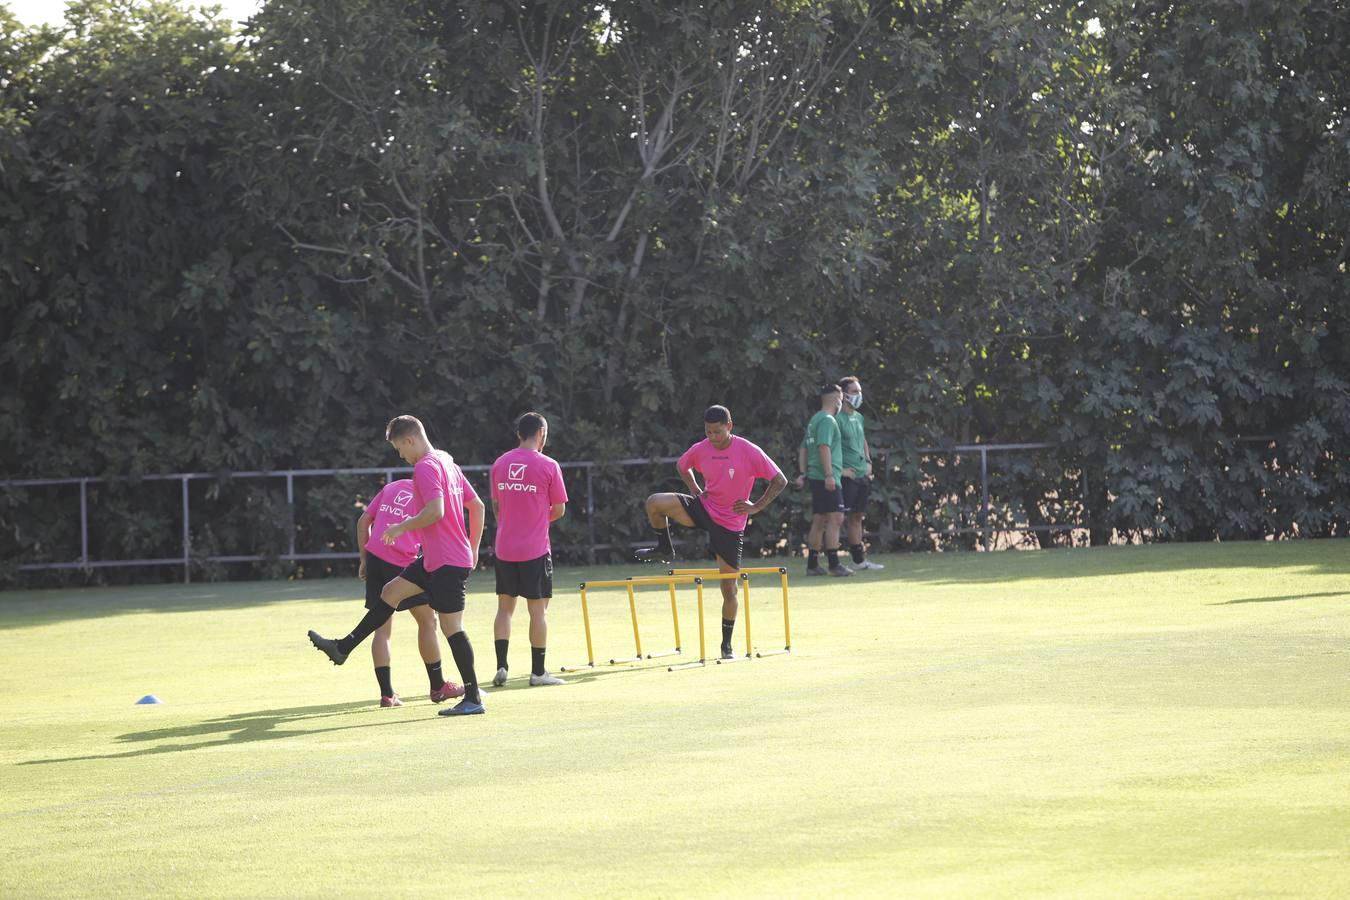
[394, 503]
[446, 541]
[525, 484]
[728, 476]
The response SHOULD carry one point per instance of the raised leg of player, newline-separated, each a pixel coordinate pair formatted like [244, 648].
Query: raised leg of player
[663, 507]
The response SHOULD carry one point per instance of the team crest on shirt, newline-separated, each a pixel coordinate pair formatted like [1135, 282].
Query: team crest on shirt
[403, 498]
[731, 472]
[515, 471]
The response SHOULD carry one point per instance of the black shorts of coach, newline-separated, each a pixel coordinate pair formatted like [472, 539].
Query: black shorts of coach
[724, 542]
[380, 572]
[444, 586]
[825, 501]
[531, 579]
[856, 491]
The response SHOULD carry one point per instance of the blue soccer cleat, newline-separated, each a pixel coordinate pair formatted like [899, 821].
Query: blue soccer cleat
[465, 707]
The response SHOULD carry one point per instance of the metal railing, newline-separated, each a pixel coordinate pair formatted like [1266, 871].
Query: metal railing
[186, 560]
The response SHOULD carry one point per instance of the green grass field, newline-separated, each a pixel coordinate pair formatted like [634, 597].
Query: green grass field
[1148, 721]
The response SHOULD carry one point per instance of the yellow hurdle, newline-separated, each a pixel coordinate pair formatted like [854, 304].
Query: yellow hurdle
[782, 573]
[714, 575]
[629, 584]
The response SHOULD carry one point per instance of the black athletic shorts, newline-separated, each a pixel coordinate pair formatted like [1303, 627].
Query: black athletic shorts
[856, 492]
[380, 572]
[444, 586]
[823, 501]
[725, 542]
[531, 579]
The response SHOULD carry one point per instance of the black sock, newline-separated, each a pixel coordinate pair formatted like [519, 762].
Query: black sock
[500, 644]
[833, 557]
[382, 676]
[728, 626]
[372, 620]
[813, 559]
[857, 552]
[537, 660]
[463, 654]
[434, 675]
[663, 536]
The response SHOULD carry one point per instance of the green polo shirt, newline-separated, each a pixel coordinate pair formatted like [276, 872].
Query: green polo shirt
[823, 430]
[855, 442]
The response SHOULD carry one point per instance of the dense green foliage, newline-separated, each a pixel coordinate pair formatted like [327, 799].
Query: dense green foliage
[1125, 234]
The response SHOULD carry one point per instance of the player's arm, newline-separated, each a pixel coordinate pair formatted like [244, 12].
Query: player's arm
[476, 509]
[432, 513]
[827, 464]
[687, 476]
[363, 526]
[557, 511]
[801, 464]
[867, 455]
[776, 485]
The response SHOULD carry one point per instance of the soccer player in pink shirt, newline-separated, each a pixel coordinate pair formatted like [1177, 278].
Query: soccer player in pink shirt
[527, 495]
[449, 554]
[380, 564]
[730, 466]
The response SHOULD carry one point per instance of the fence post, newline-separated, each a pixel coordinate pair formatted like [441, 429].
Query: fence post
[290, 511]
[187, 536]
[984, 497]
[84, 524]
[590, 516]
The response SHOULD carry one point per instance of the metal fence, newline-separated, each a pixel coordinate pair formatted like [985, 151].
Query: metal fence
[984, 527]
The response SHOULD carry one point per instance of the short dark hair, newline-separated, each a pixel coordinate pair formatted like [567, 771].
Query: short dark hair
[403, 426]
[829, 388]
[718, 414]
[530, 424]
[846, 381]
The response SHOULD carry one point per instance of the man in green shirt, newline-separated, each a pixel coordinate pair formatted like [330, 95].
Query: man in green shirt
[857, 480]
[821, 461]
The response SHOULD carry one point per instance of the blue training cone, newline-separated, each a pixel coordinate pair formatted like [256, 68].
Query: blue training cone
[148, 699]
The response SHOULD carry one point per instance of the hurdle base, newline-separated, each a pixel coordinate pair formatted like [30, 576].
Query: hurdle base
[676, 652]
[734, 659]
[689, 665]
[763, 653]
[629, 659]
[576, 668]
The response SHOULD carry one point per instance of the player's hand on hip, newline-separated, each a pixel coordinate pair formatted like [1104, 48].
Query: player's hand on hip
[744, 508]
[849, 473]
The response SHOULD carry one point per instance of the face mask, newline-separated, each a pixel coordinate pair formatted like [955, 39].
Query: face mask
[854, 400]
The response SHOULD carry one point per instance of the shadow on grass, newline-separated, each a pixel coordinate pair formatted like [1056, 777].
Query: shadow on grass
[242, 728]
[1281, 599]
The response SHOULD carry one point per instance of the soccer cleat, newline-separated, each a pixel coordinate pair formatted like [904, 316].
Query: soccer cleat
[329, 647]
[815, 570]
[390, 702]
[465, 707]
[727, 652]
[447, 691]
[545, 679]
[840, 571]
[500, 678]
[658, 553]
[868, 564]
